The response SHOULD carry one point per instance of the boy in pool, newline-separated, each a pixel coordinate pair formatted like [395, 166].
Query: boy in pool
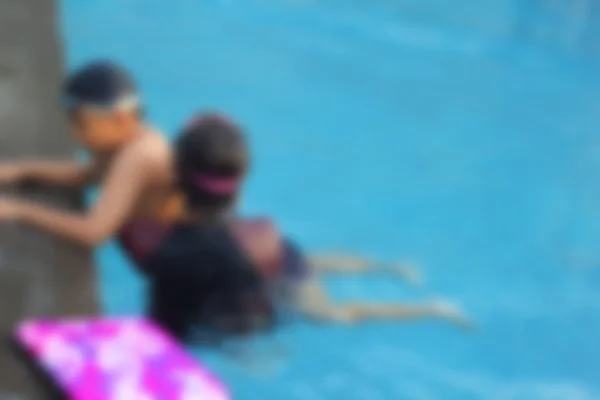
[132, 161]
[230, 274]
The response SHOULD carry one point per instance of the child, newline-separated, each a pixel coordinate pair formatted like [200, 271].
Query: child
[228, 275]
[132, 162]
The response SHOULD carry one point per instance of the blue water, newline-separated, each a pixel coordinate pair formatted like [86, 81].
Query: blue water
[461, 135]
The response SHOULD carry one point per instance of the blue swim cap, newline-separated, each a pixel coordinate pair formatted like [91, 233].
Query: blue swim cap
[100, 85]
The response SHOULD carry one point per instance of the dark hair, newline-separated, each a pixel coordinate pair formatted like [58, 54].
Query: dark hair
[204, 288]
[211, 161]
[100, 84]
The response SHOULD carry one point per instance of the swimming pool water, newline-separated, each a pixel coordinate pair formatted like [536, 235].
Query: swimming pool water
[462, 137]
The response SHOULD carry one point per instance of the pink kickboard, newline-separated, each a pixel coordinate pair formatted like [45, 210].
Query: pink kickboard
[117, 359]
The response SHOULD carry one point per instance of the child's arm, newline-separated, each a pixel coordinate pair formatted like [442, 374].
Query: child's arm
[129, 174]
[64, 173]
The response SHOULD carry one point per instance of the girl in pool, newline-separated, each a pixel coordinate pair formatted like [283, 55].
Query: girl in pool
[138, 199]
[230, 274]
[138, 196]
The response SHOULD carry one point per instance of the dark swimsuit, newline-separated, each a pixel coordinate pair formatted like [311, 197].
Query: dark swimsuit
[294, 265]
[141, 239]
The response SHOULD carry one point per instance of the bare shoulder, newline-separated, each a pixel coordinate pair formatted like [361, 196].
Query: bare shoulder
[151, 150]
[152, 144]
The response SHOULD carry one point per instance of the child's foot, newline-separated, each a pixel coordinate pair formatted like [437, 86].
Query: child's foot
[452, 313]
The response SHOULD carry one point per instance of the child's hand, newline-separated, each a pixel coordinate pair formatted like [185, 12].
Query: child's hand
[10, 209]
[10, 174]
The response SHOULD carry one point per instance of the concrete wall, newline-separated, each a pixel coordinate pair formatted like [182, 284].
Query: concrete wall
[39, 275]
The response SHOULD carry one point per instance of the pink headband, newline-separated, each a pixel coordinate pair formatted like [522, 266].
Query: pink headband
[217, 185]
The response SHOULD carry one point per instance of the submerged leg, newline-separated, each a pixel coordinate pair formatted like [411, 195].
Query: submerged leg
[433, 310]
[349, 264]
[314, 302]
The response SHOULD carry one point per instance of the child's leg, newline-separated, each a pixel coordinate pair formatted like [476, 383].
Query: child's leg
[313, 301]
[436, 310]
[346, 264]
